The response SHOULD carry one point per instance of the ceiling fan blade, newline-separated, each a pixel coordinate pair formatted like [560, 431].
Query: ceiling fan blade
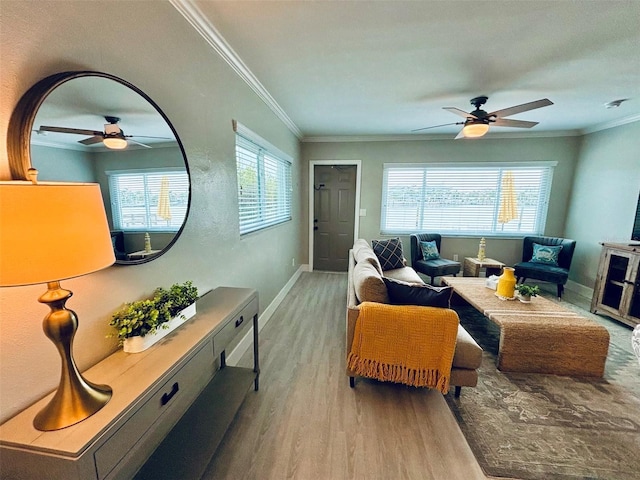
[462, 113]
[91, 140]
[460, 135]
[138, 143]
[145, 136]
[77, 131]
[525, 107]
[437, 126]
[506, 122]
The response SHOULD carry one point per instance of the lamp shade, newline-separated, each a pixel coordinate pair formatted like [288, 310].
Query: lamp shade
[51, 231]
[115, 143]
[475, 130]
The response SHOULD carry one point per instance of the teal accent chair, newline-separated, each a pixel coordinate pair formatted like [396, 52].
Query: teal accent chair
[547, 273]
[436, 267]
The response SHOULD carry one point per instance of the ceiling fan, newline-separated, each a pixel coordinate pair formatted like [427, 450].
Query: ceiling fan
[113, 136]
[477, 122]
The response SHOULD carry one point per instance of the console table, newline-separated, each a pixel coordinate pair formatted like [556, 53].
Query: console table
[171, 404]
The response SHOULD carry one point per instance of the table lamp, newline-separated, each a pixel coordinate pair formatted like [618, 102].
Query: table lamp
[50, 232]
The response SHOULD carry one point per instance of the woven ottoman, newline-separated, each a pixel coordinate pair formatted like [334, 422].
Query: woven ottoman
[570, 345]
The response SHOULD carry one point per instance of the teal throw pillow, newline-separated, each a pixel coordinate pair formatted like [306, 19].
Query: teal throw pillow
[546, 254]
[429, 250]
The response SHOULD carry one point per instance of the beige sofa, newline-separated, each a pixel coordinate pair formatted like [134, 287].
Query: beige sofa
[365, 284]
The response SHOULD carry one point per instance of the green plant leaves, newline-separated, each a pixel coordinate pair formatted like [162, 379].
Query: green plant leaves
[146, 316]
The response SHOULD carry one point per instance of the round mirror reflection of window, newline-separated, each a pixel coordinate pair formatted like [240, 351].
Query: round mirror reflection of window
[94, 127]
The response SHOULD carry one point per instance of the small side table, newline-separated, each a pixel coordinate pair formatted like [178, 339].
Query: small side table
[472, 267]
[141, 254]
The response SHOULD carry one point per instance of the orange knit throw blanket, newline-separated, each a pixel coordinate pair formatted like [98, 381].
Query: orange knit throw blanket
[404, 344]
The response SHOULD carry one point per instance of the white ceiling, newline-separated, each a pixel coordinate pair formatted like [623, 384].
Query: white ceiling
[356, 68]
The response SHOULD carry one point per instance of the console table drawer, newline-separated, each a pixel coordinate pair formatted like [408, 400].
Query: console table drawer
[232, 328]
[175, 395]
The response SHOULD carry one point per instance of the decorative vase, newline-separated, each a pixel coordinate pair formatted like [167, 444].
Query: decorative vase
[507, 284]
[138, 343]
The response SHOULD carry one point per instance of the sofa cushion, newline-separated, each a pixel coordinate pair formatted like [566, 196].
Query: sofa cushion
[389, 252]
[402, 293]
[359, 244]
[429, 250]
[368, 284]
[468, 354]
[365, 254]
[404, 274]
[546, 254]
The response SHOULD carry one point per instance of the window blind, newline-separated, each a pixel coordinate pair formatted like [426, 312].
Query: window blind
[264, 186]
[466, 199]
[149, 200]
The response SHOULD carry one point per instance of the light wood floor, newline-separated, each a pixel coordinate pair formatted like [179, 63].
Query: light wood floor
[306, 423]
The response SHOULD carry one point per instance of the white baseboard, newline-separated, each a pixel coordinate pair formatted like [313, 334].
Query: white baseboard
[247, 341]
[580, 289]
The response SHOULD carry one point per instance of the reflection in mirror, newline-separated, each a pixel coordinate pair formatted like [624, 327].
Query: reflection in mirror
[96, 128]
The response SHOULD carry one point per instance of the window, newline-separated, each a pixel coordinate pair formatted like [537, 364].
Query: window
[466, 199]
[264, 182]
[149, 200]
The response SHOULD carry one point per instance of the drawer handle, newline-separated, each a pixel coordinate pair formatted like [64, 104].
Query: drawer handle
[166, 397]
[239, 321]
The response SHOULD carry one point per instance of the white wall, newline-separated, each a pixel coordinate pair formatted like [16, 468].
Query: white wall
[149, 44]
[374, 154]
[604, 196]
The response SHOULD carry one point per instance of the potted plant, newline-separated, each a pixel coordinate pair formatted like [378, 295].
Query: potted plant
[142, 323]
[527, 291]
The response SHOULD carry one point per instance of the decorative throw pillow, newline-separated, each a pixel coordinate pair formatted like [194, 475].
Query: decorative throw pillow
[546, 254]
[403, 293]
[429, 250]
[389, 252]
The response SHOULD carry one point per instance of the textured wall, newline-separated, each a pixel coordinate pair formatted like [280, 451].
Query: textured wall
[375, 154]
[604, 197]
[149, 44]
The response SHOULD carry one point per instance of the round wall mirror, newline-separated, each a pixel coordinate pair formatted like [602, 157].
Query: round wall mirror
[97, 128]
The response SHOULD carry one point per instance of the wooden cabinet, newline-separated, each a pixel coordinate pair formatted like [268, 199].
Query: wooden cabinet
[617, 288]
[171, 404]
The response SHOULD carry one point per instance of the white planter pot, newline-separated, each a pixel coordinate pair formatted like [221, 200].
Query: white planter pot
[138, 344]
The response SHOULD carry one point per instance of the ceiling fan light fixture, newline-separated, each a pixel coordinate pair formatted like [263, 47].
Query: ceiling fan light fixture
[115, 143]
[475, 130]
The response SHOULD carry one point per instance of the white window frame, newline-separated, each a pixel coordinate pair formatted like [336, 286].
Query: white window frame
[395, 226]
[116, 211]
[256, 211]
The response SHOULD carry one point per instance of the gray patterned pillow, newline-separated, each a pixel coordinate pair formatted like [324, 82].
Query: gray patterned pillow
[389, 252]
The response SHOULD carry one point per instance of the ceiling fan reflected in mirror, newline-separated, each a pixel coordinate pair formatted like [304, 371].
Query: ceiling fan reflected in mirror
[113, 136]
[477, 122]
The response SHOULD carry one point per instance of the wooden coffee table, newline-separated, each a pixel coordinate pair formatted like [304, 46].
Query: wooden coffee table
[538, 337]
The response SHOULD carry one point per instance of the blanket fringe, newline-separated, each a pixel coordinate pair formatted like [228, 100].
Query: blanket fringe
[398, 373]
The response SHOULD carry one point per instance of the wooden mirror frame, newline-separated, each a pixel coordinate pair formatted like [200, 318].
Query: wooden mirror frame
[21, 126]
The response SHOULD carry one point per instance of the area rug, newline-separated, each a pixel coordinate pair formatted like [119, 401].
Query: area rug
[549, 427]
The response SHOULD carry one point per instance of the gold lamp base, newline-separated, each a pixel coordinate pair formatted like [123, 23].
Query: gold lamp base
[76, 398]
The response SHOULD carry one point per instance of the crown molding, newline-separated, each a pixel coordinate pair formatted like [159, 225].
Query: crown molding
[612, 124]
[427, 137]
[198, 20]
